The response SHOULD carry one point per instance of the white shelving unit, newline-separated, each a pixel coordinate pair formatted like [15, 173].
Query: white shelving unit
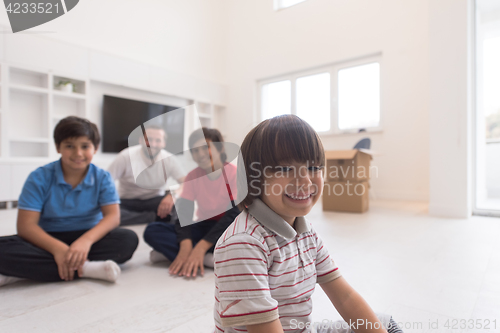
[209, 114]
[32, 105]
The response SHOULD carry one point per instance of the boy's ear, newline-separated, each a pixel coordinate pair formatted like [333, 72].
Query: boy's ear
[96, 148]
[57, 148]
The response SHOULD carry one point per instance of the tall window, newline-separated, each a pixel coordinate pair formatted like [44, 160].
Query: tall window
[276, 99]
[333, 99]
[359, 96]
[313, 93]
[487, 108]
[491, 86]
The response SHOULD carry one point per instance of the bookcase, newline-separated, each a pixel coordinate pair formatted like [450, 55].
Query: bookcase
[31, 104]
[210, 114]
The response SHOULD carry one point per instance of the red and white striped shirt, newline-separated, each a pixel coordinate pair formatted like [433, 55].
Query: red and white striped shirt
[266, 270]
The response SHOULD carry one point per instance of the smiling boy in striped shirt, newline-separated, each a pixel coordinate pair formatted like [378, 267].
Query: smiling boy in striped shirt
[269, 260]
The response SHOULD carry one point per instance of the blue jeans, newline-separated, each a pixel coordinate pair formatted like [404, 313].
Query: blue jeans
[162, 237]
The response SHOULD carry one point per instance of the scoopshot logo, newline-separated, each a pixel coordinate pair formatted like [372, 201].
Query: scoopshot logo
[209, 165]
[26, 14]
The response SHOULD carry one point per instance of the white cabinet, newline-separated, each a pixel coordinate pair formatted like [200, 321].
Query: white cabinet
[19, 174]
[210, 115]
[5, 180]
[13, 174]
[32, 102]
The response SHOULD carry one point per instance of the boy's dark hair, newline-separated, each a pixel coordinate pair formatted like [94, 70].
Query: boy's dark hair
[211, 134]
[282, 139]
[74, 127]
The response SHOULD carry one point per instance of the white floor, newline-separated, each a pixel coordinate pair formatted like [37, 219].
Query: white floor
[422, 270]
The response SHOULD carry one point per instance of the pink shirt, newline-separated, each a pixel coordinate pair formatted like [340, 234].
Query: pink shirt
[213, 197]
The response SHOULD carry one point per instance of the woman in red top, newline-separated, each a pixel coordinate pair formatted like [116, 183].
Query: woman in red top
[212, 185]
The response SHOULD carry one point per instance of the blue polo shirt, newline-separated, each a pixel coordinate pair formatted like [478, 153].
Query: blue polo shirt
[63, 208]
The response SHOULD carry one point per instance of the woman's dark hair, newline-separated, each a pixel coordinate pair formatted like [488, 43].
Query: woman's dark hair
[211, 134]
[74, 127]
[282, 139]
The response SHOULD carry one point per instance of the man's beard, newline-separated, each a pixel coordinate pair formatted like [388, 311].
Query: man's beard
[150, 152]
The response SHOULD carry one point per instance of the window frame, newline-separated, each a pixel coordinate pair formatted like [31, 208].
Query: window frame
[333, 70]
[476, 91]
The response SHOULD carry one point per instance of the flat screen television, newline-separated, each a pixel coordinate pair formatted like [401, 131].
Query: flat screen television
[120, 116]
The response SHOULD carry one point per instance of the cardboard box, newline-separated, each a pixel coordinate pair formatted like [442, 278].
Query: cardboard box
[352, 165]
[346, 196]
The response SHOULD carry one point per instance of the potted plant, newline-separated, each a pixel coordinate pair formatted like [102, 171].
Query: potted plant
[66, 86]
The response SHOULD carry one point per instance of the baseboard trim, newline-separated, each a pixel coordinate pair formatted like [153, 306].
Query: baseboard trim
[449, 211]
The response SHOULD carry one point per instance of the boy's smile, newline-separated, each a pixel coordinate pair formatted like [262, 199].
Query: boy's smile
[76, 153]
[206, 155]
[299, 197]
[293, 190]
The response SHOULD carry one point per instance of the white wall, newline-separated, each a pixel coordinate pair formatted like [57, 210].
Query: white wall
[181, 36]
[450, 109]
[41, 53]
[263, 43]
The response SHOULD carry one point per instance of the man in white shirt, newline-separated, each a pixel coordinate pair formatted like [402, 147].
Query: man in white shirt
[142, 172]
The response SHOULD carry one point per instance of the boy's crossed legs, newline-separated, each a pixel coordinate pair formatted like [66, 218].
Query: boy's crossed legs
[21, 259]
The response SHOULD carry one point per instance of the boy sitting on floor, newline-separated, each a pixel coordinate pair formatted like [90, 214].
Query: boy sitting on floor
[68, 216]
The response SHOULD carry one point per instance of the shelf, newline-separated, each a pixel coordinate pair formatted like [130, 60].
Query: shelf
[25, 160]
[29, 149]
[28, 114]
[54, 122]
[206, 122]
[29, 89]
[65, 106]
[203, 108]
[218, 115]
[68, 95]
[79, 86]
[33, 103]
[24, 77]
[30, 140]
[219, 108]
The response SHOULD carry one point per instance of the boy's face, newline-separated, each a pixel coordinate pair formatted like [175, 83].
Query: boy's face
[292, 189]
[206, 155]
[76, 153]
